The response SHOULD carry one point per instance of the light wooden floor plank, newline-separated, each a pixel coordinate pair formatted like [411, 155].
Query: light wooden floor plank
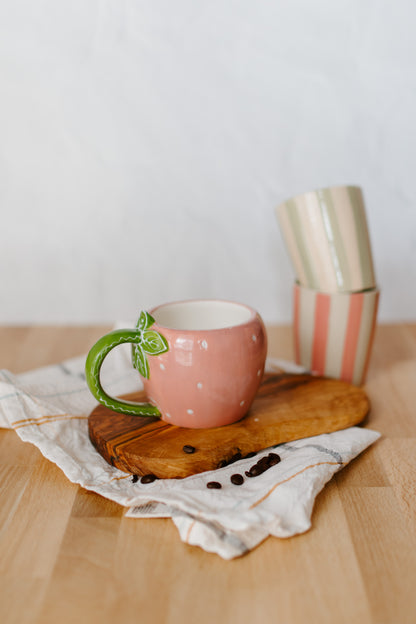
[68, 555]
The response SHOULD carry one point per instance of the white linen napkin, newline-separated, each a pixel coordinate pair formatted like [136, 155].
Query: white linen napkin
[49, 407]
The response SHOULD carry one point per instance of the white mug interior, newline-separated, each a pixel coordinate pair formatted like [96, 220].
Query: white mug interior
[202, 315]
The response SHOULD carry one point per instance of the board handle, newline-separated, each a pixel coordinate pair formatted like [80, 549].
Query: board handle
[96, 357]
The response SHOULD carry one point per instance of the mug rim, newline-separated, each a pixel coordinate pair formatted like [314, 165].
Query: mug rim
[337, 293]
[319, 190]
[253, 314]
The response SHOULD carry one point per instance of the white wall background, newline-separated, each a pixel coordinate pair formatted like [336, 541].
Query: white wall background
[144, 145]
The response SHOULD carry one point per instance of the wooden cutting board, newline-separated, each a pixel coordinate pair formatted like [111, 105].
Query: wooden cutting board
[287, 407]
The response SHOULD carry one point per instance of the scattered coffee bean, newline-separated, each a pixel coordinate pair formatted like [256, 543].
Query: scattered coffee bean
[214, 485]
[263, 463]
[235, 458]
[255, 470]
[135, 478]
[188, 449]
[273, 458]
[149, 478]
[237, 479]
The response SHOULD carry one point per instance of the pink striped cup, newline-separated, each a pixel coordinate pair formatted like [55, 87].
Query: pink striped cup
[333, 332]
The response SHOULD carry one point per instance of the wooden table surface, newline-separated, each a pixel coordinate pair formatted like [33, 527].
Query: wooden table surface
[68, 555]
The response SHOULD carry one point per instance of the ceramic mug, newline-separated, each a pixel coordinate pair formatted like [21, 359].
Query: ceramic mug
[201, 362]
[327, 238]
[333, 332]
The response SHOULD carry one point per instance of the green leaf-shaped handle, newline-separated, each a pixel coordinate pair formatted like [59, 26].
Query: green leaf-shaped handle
[101, 349]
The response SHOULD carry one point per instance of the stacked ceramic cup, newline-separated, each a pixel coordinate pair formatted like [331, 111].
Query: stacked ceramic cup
[335, 293]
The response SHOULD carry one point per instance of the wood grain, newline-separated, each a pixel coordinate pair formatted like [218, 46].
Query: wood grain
[70, 556]
[287, 407]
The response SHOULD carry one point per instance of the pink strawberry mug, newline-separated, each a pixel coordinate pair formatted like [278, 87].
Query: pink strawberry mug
[201, 362]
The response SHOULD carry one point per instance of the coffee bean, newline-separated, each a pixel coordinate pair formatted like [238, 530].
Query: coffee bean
[237, 479]
[235, 458]
[188, 449]
[263, 463]
[149, 478]
[255, 470]
[273, 455]
[135, 478]
[214, 485]
[248, 473]
[273, 458]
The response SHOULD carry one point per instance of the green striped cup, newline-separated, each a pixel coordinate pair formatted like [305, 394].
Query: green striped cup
[327, 238]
